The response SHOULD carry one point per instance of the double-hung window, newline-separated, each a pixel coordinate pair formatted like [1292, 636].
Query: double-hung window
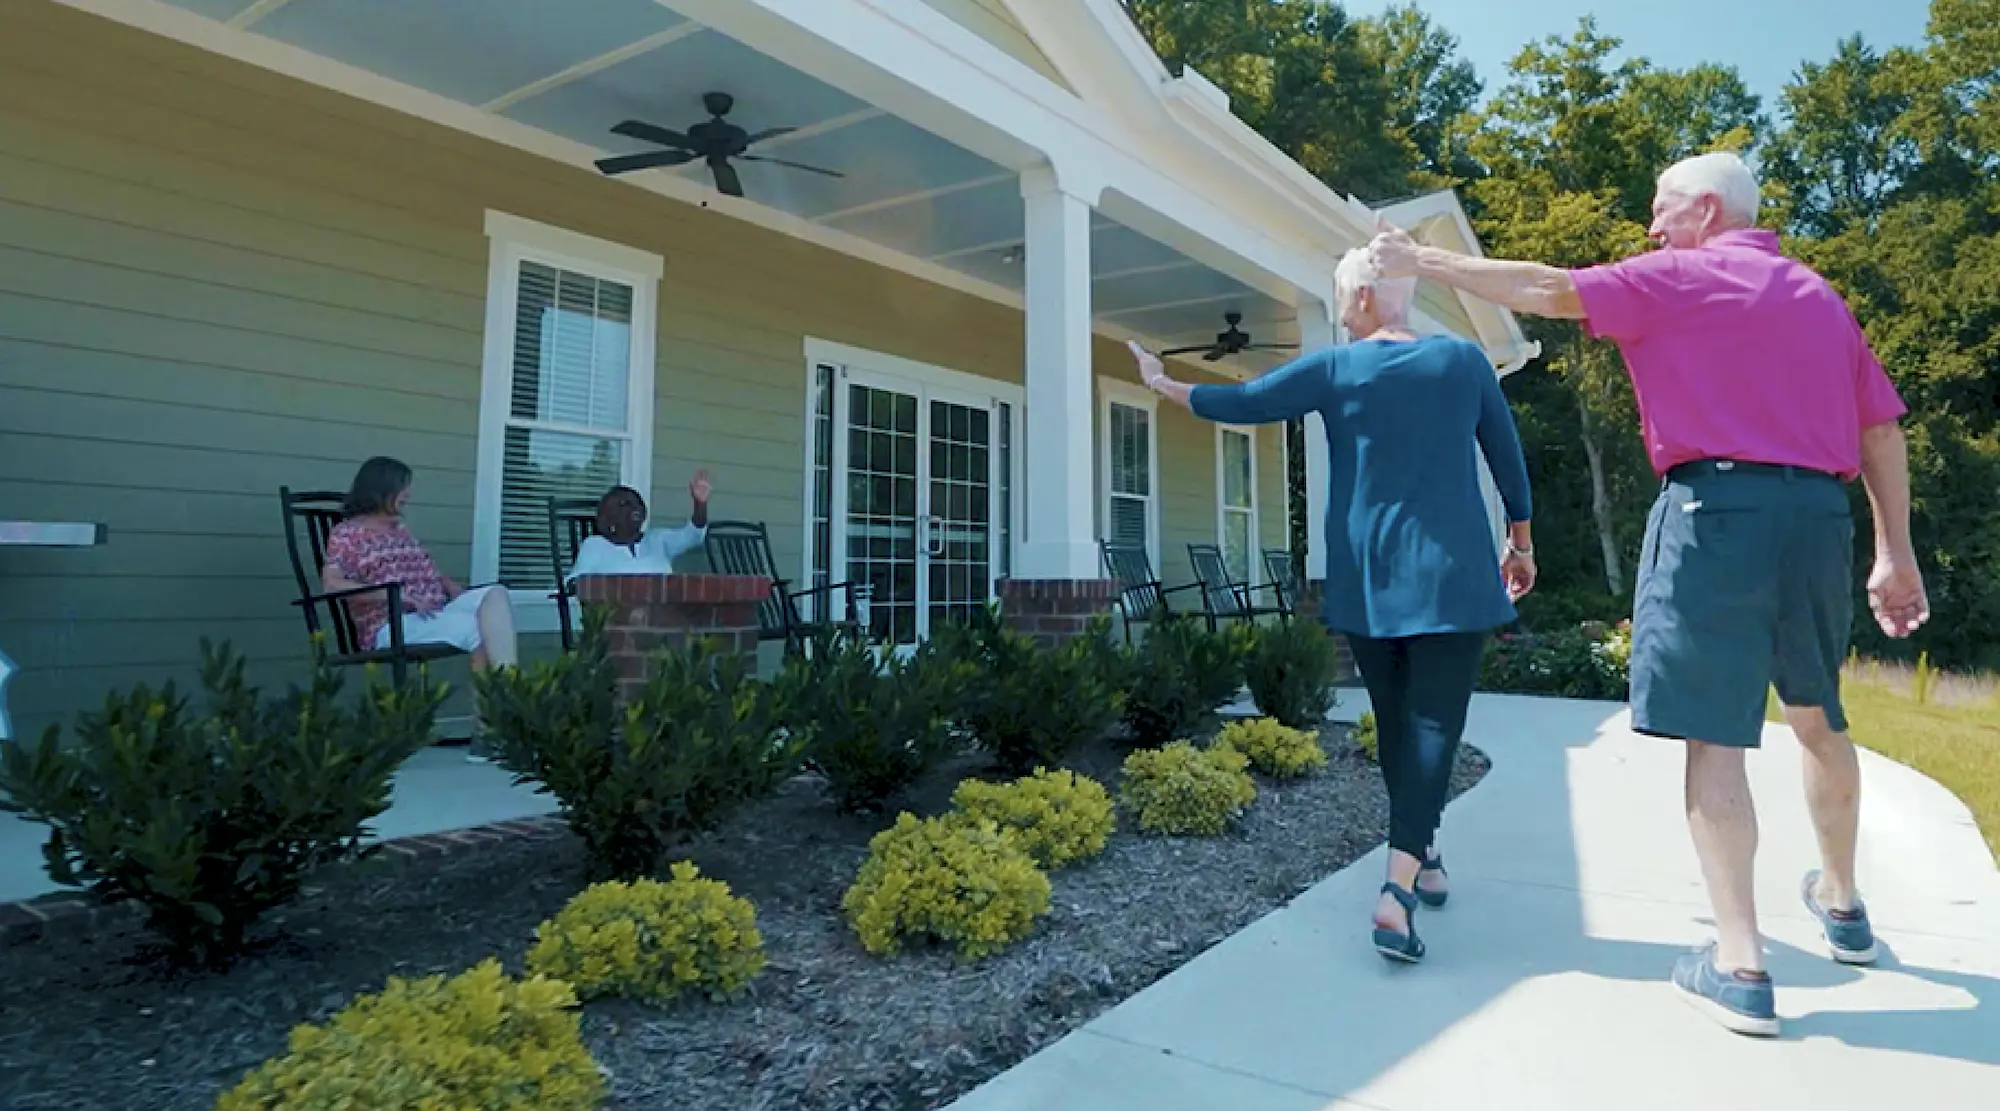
[1236, 499]
[566, 398]
[1130, 468]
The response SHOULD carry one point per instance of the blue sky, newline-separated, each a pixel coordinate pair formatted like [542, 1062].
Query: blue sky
[1764, 39]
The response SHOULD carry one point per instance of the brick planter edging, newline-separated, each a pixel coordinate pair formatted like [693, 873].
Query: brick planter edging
[69, 913]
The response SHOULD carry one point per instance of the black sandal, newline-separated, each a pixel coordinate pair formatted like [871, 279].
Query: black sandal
[1432, 899]
[1407, 948]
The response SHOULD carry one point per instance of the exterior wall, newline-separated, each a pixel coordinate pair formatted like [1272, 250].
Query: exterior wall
[214, 281]
[990, 20]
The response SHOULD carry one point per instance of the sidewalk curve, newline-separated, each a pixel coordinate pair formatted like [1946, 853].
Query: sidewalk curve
[1574, 887]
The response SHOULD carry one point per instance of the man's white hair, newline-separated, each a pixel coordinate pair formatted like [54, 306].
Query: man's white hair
[1357, 271]
[1721, 175]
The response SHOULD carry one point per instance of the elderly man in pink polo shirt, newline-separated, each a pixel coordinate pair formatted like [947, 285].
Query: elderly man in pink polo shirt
[1758, 400]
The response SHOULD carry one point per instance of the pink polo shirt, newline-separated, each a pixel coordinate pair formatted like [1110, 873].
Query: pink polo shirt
[1737, 352]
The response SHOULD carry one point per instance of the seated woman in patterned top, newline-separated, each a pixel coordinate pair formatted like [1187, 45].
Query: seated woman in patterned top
[373, 546]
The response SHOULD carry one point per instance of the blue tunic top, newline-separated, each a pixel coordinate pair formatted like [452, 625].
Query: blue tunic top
[1409, 544]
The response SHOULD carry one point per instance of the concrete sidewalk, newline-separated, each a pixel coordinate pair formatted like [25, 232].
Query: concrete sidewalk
[1574, 888]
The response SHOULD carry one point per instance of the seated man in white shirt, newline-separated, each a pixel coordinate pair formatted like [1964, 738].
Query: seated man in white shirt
[623, 545]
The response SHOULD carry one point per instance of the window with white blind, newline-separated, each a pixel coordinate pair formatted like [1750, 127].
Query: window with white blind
[1130, 468]
[566, 401]
[1236, 499]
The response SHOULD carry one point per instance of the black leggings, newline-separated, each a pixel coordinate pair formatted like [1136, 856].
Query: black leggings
[1420, 687]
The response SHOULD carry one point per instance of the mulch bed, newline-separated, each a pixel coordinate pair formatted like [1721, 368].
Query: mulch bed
[95, 1022]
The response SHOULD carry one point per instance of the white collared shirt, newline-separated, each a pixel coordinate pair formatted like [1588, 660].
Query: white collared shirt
[654, 554]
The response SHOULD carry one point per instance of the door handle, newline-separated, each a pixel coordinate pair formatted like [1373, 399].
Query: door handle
[934, 535]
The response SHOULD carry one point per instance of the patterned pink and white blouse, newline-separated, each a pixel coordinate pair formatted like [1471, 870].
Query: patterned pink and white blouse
[368, 553]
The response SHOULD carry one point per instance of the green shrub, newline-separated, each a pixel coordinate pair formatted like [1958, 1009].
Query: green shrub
[872, 726]
[652, 941]
[1278, 751]
[1058, 818]
[1029, 707]
[476, 1042]
[210, 819]
[1368, 739]
[1179, 676]
[700, 739]
[952, 879]
[1182, 790]
[1290, 668]
[1590, 661]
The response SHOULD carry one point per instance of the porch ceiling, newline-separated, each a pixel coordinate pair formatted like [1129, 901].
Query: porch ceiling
[575, 69]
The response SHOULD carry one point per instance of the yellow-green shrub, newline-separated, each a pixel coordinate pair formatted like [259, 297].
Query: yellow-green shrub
[1057, 818]
[476, 1042]
[651, 941]
[956, 879]
[1365, 736]
[1278, 751]
[1181, 789]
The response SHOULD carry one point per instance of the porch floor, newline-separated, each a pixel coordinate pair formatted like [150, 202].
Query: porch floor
[434, 792]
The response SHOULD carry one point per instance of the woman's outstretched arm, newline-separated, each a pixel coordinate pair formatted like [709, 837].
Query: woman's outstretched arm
[1293, 390]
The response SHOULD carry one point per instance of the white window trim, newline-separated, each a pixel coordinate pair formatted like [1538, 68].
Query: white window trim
[842, 358]
[1111, 391]
[1254, 557]
[512, 240]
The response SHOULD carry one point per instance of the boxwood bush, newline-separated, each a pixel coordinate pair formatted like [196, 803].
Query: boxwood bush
[210, 816]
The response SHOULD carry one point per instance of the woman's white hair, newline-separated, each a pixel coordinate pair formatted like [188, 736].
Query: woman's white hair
[1721, 175]
[1357, 271]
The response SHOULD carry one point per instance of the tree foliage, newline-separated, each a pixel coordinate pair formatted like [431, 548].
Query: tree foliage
[1881, 170]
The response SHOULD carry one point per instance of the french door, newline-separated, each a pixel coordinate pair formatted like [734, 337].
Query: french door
[921, 500]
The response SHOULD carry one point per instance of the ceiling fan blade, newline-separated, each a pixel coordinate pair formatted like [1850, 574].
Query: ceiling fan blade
[726, 180]
[768, 133]
[1214, 353]
[793, 165]
[1187, 350]
[1270, 347]
[640, 129]
[626, 163]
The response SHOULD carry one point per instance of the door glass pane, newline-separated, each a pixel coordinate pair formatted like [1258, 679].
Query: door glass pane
[960, 536]
[1236, 489]
[1236, 544]
[881, 518]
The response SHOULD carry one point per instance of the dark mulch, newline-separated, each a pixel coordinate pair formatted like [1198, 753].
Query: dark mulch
[88, 1024]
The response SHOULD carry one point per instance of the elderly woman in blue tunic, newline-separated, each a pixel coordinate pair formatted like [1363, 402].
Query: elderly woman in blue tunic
[1411, 576]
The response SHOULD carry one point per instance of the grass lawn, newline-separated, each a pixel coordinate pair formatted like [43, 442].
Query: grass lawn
[1954, 738]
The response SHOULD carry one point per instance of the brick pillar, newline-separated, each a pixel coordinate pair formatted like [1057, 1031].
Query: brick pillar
[1054, 610]
[651, 612]
[1310, 598]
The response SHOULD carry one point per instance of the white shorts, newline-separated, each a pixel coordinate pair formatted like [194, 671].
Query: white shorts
[457, 624]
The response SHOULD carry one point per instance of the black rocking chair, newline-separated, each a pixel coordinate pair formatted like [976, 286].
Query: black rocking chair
[1284, 578]
[1224, 598]
[1142, 598]
[329, 626]
[571, 522]
[744, 548]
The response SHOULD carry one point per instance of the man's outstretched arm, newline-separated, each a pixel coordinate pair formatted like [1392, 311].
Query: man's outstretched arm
[1527, 287]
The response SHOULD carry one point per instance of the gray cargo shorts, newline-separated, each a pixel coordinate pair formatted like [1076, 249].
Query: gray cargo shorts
[1746, 580]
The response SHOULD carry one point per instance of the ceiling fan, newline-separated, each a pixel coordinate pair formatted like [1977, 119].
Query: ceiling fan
[1230, 342]
[714, 140]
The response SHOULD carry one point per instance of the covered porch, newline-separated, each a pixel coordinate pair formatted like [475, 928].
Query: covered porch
[335, 204]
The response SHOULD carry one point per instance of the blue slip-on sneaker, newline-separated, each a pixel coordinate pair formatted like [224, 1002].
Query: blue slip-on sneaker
[1741, 1001]
[1849, 937]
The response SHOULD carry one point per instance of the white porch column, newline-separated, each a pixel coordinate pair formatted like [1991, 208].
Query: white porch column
[1059, 537]
[1317, 331]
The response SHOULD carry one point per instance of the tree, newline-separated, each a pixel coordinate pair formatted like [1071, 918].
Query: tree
[1300, 73]
[1432, 90]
